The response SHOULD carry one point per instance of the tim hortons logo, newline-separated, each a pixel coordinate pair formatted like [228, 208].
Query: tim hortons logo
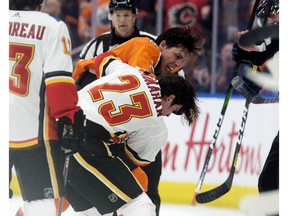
[196, 150]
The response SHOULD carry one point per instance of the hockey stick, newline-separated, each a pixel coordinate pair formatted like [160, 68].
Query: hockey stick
[257, 35]
[212, 144]
[219, 191]
[221, 118]
[244, 89]
[65, 174]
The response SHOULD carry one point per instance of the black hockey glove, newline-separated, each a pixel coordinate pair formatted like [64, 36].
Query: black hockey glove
[236, 55]
[244, 64]
[72, 136]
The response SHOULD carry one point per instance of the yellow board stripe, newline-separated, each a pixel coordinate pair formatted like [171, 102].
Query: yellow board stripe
[182, 193]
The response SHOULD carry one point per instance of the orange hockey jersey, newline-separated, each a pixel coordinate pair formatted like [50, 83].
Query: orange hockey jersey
[140, 52]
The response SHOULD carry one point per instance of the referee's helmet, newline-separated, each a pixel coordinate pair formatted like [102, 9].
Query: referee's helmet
[122, 4]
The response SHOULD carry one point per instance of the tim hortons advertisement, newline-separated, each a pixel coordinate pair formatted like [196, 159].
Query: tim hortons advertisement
[184, 154]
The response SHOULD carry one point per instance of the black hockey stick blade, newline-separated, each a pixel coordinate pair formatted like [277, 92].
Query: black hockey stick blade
[211, 195]
[257, 35]
[244, 89]
[215, 193]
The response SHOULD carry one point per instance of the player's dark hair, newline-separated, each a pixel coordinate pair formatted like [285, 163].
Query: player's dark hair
[185, 94]
[21, 4]
[182, 37]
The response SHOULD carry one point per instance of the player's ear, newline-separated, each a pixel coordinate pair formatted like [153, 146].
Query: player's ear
[162, 44]
[170, 98]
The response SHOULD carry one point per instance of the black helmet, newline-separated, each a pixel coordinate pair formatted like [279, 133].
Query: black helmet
[267, 8]
[20, 4]
[123, 4]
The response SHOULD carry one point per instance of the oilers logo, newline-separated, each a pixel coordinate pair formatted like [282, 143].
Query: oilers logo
[182, 14]
[102, 16]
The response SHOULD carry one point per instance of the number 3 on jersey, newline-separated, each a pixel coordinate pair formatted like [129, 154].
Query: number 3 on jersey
[20, 75]
[139, 107]
[22, 55]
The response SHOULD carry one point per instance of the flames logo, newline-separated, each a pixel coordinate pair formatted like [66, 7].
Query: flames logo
[183, 14]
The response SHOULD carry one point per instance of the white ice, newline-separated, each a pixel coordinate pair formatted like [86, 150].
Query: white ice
[165, 210]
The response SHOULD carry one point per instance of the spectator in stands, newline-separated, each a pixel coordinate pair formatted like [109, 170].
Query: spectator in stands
[225, 68]
[70, 10]
[198, 74]
[146, 15]
[233, 16]
[52, 7]
[85, 30]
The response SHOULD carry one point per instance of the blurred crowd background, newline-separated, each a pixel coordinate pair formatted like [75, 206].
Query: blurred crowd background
[217, 21]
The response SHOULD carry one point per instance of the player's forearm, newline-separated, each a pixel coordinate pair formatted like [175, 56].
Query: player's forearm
[62, 97]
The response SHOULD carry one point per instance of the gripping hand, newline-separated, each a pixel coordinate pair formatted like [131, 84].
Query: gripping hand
[71, 136]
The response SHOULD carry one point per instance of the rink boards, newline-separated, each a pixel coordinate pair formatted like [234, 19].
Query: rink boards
[184, 154]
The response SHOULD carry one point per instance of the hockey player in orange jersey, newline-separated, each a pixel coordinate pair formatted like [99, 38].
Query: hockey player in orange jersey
[170, 52]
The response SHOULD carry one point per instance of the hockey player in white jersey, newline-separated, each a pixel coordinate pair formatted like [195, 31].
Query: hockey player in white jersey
[42, 91]
[125, 103]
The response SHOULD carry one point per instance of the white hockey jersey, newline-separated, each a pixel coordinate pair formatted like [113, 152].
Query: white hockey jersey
[39, 62]
[127, 100]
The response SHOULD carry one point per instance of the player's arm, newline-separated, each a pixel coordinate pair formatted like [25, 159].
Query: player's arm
[95, 65]
[85, 60]
[82, 66]
[256, 57]
[61, 90]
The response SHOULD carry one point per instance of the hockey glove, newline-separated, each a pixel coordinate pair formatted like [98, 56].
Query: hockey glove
[72, 136]
[142, 178]
[235, 54]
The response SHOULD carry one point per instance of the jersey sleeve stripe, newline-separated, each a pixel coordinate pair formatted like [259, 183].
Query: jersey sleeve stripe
[58, 73]
[54, 80]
